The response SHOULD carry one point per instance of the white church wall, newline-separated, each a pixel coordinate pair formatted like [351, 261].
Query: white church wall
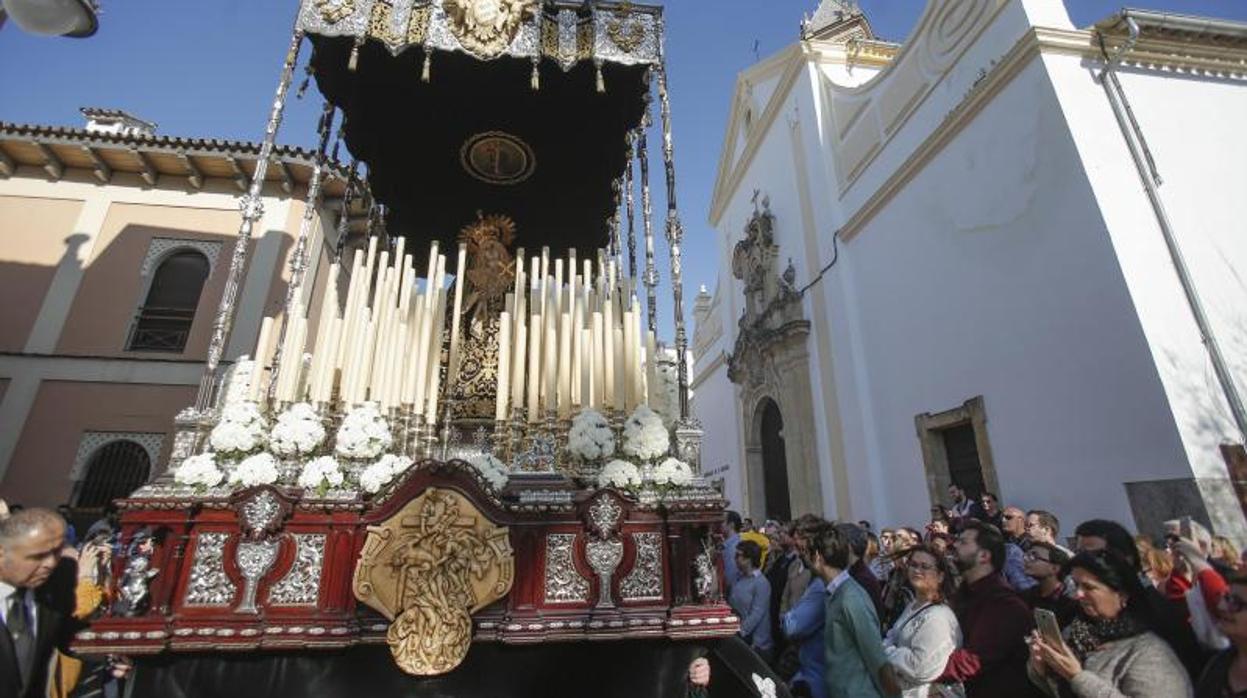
[990, 274]
[1199, 153]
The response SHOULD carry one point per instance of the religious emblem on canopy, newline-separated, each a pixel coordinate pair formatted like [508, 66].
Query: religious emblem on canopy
[486, 27]
[427, 569]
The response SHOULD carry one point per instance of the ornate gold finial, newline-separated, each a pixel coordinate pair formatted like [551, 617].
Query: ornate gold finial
[486, 27]
[427, 569]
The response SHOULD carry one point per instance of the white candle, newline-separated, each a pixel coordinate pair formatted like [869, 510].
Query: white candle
[608, 354]
[597, 374]
[651, 366]
[638, 356]
[618, 373]
[629, 361]
[519, 342]
[435, 358]
[461, 279]
[327, 370]
[261, 350]
[410, 362]
[565, 365]
[534, 364]
[518, 364]
[584, 371]
[504, 366]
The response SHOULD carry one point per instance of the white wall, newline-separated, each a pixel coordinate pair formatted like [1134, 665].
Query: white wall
[1020, 263]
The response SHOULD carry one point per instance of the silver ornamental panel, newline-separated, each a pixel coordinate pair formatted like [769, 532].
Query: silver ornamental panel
[254, 559]
[261, 511]
[301, 585]
[208, 585]
[563, 584]
[609, 35]
[604, 512]
[604, 557]
[644, 582]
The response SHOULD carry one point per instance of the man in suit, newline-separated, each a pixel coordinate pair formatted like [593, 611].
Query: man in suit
[36, 599]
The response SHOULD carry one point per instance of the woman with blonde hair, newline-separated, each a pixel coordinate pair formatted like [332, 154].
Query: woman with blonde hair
[1225, 554]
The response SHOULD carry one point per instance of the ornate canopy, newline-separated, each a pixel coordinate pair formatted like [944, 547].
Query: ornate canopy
[511, 106]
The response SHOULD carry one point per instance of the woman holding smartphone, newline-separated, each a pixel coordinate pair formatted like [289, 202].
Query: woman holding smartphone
[1109, 650]
[927, 632]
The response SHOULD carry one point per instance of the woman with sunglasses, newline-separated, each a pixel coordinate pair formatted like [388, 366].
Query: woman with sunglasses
[1226, 674]
[926, 633]
[1110, 649]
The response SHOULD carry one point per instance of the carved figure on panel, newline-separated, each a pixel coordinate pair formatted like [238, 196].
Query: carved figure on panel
[427, 569]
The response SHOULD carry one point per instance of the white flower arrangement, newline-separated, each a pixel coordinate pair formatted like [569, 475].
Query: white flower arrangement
[620, 474]
[298, 432]
[320, 474]
[240, 430]
[260, 469]
[673, 472]
[380, 473]
[364, 433]
[590, 438]
[199, 471]
[493, 470]
[645, 436]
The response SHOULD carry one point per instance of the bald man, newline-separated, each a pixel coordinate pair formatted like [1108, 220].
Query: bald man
[36, 599]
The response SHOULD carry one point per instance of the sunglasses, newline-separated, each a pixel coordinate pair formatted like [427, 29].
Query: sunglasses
[1032, 557]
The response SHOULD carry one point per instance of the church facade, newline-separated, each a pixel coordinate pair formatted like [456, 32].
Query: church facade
[1005, 254]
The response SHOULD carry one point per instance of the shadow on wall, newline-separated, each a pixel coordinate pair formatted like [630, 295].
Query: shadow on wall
[139, 282]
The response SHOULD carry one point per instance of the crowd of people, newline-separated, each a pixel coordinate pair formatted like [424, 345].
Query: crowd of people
[988, 601]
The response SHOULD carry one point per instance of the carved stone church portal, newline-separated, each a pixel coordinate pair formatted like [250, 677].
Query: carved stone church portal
[771, 365]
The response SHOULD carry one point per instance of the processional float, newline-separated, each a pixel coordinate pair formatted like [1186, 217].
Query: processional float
[506, 458]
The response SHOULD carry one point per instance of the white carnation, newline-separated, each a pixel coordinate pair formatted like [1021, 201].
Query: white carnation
[645, 436]
[298, 431]
[380, 473]
[320, 474]
[619, 473]
[493, 470]
[199, 471]
[240, 429]
[590, 438]
[364, 433]
[673, 472]
[260, 469]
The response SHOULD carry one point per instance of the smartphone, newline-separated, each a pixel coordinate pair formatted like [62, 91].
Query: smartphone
[1184, 528]
[1049, 628]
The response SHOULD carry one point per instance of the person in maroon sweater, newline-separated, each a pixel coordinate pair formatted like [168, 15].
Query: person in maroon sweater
[994, 620]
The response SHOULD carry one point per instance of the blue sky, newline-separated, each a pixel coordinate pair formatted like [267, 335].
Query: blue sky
[209, 69]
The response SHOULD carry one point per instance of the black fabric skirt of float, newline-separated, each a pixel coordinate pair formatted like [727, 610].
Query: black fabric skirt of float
[631, 668]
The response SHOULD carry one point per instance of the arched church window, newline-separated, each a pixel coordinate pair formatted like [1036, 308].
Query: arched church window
[115, 470]
[163, 323]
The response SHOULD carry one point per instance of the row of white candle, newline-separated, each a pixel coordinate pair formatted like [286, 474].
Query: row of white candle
[561, 346]
[565, 346]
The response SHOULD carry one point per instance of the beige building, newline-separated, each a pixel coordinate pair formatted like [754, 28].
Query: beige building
[115, 244]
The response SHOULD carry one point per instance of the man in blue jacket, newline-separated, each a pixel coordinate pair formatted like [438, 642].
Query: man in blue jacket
[803, 623]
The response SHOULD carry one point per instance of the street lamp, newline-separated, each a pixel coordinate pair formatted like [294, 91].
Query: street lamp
[74, 18]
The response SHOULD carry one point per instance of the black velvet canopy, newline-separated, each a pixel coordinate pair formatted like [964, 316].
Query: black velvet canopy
[412, 135]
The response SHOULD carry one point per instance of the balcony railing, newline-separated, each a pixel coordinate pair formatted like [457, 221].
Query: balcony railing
[161, 329]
